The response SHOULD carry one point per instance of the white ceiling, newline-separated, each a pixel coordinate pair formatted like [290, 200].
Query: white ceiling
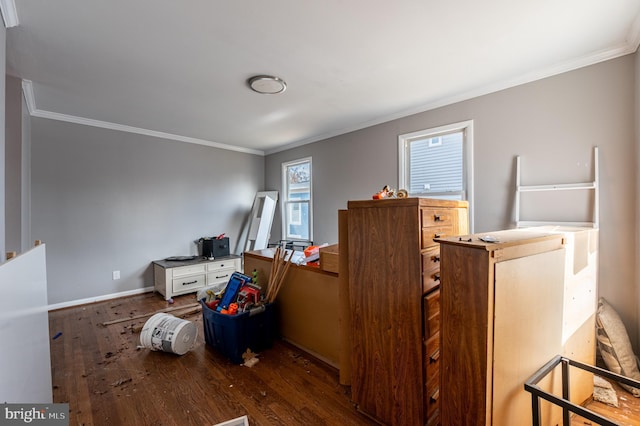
[178, 69]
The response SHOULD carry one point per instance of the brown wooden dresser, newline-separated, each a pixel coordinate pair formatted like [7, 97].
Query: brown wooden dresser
[394, 299]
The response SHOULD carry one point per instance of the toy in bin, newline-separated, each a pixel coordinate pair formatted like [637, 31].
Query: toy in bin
[248, 296]
[234, 335]
[236, 281]
[239, 319]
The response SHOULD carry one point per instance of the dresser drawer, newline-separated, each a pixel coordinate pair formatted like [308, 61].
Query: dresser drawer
[433, 216]
[219, 276]
[431, 312]
[432, 396]
[223, 264]
[431, 358]
[430, 269]
[428, 234]
[188, 270]
[434, 420]
[189, 283]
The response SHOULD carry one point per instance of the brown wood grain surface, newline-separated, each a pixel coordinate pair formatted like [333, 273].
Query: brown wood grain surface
[385, 294]
[108, 380]
[464, 318]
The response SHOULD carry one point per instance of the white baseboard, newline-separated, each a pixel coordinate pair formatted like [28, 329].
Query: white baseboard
[99, 298]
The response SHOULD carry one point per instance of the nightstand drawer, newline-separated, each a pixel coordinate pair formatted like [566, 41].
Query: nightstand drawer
[188, 283]
[188, 270]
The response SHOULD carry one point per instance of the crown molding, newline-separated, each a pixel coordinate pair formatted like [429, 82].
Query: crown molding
[27, 89]
[630, 45]
[626, 48]
[9, 13]
[633, 39]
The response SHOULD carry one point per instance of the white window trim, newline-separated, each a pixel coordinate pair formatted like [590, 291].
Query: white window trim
[285, 198]
[465, 126]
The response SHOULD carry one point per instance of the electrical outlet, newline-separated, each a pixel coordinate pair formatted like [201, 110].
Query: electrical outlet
[116, 275]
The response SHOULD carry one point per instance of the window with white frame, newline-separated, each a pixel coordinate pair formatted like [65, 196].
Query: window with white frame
[297, 223]
[437, 163]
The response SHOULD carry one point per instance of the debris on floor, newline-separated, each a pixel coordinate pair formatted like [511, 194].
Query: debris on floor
[121, 382]
[604, 392]
[250, 358]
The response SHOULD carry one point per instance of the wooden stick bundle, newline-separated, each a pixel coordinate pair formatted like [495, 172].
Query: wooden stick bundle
[194, 306]
[279, 267]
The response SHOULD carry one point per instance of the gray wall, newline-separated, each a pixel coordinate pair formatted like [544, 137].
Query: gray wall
[553, 124]
[104, 200]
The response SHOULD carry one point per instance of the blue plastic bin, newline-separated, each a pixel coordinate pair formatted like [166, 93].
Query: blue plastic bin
[232, 335]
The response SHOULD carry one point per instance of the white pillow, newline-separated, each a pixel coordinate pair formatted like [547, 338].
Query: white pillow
[615, 346]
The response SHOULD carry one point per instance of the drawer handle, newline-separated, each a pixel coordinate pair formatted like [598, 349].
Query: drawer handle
[434, 356]
[436, 218]
[436, 277]
[437, 235]
[435, 258]
[434, 396]
[221, 276]
[190, 282]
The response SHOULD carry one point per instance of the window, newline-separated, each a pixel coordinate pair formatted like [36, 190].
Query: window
[437, 163]
[296, 203]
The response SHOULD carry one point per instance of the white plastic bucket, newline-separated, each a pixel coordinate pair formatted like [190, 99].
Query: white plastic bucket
[164, 332]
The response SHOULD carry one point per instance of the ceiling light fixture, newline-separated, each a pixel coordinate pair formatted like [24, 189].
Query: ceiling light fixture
[267, 84]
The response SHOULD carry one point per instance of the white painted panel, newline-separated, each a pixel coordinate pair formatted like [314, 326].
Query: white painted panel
[25, 358]
[527, 333]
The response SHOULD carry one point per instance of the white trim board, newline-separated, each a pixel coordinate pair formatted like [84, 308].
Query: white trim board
[27, 89]
[9, 13]
[102, 298]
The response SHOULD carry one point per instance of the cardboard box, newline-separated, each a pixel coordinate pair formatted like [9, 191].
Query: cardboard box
[329, 258]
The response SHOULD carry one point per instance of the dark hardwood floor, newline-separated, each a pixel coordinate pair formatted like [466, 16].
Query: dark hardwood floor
[108, 380]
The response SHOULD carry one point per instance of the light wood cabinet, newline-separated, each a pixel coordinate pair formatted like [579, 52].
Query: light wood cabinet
[172, 278]
[393, 280]
[507, 308]
[307, 305]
